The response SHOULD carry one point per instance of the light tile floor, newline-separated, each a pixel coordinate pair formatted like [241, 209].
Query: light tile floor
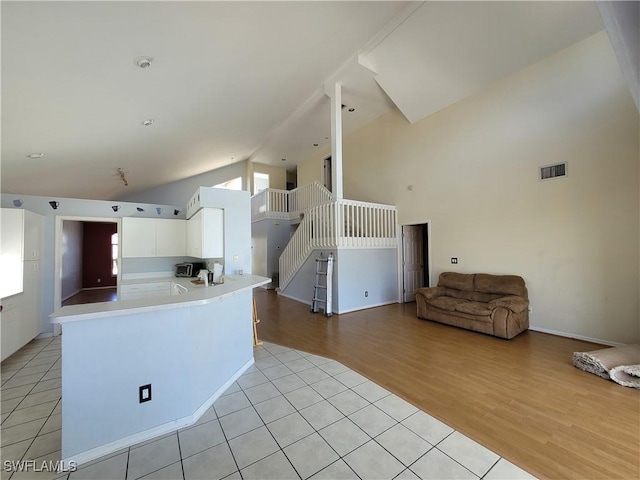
[292, 415]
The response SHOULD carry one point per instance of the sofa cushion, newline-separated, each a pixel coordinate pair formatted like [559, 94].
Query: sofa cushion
[474, 308]
[457, 281]
[503, 284]
[473, 296]
[445, 303]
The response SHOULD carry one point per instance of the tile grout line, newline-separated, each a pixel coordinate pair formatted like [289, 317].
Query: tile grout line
[347, 388]
[33, 440]
[34, 385]
[224, 434]
[180, 454]
[270, 381]
[374, 438]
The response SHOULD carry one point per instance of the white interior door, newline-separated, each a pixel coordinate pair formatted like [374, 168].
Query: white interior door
[412, 260]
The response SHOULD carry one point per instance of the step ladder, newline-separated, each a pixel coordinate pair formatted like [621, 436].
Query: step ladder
[324, 270]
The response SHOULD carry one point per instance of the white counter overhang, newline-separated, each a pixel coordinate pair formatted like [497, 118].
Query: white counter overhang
[197, 295]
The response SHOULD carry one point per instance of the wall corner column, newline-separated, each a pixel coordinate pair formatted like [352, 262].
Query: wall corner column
[336, 141]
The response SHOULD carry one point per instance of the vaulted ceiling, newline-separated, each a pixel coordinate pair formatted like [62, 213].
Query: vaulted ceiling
[231, 81]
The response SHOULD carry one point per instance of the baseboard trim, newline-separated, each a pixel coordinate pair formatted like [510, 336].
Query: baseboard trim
[291, 297]
[369, 306]
[69, 296]
[44, 335]
[84, 457]
[577, 337]
[341, 312]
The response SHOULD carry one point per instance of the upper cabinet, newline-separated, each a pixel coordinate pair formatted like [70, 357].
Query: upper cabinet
[21, 241]
[171, 238]
[33, 236]
[153, 237]
[205, 234]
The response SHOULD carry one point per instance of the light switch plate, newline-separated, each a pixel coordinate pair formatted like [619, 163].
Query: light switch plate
[144, 393]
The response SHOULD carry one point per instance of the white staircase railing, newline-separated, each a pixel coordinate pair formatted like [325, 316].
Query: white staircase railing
[341, 223]
[309, 195]
[288, 204]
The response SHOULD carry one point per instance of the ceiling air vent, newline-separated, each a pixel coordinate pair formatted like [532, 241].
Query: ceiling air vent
[553, 171]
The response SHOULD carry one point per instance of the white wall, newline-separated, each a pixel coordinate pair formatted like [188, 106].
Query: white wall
[269, 238]
[72, 207]
[277, 175]
[367, 278]
[71, 282]
[237, 226]
[472, 169]
[180, 192]
[356, 271]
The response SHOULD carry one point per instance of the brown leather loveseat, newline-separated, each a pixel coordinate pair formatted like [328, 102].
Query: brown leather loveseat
[494, 304]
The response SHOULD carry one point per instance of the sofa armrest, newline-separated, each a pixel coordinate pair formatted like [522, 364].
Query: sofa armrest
[431, 292]
[511, 302]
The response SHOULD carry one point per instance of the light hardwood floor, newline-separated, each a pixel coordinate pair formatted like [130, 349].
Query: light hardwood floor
[521, 398]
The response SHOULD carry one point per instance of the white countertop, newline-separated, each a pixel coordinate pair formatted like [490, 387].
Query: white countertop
[197, 295]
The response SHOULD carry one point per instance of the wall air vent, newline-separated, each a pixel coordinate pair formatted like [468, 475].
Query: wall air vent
[553, 171]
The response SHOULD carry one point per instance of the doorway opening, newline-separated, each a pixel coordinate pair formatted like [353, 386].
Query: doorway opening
[87, 260]
[416, 264]
[326, 173]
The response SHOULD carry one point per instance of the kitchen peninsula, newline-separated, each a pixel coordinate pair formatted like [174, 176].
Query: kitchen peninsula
[136, 369]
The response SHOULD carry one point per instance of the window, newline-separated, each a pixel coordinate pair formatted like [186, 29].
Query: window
[114, 254]
[260, 182]
[233, 184]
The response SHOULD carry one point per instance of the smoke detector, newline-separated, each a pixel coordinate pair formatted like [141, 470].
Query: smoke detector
[143, 62]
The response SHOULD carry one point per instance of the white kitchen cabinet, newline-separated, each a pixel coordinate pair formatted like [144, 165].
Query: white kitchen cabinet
[11, 256]
[21, 281]
[171, 238]
[138, 237]
[205, 234]
[31, 305]
[153, 237]
[21, 241]
[11, 325]
[33, 236]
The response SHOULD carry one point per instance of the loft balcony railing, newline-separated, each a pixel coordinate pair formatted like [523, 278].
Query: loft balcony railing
[338, 224]
[288, 204]
[324, 223]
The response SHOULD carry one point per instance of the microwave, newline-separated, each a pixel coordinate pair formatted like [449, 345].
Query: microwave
[184, 269]
[189, 269]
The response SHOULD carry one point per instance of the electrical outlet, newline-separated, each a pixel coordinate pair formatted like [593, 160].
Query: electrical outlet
[144, 393]
[235, 258]
[454, 260]
[366, 293]
[99, 280]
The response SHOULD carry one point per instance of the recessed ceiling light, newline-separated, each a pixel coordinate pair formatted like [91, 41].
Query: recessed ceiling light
[143, 62]
[148, 122]
[35, 155]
